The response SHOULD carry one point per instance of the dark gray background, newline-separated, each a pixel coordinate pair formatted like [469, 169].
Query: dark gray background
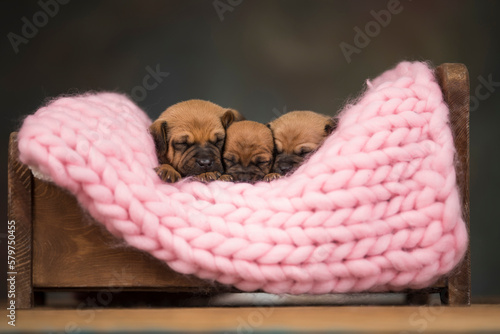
[263, 58]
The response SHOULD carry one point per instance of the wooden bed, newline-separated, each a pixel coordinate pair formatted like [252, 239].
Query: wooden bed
[61, 248]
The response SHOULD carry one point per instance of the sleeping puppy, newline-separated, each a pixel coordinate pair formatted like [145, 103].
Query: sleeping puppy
[248, 153]
[189, 137]
[296, 135]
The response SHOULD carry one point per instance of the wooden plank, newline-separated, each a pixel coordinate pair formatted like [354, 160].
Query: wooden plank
[351, 319]
[72, 250]
[19, 211]
[454, 82]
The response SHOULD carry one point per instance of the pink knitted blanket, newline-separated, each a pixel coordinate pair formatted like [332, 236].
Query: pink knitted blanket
[375, 208]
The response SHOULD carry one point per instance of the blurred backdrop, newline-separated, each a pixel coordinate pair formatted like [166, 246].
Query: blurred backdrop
[261, 57]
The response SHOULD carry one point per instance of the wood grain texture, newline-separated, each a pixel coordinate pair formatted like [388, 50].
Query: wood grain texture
[269, 319]
[454, 82]
[19, 210]
[72, 250]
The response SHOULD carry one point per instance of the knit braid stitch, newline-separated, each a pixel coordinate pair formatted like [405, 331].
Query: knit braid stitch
[376, 208]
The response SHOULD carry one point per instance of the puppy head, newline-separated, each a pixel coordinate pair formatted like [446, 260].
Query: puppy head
[189, 136]
[296, 135]
[248, 152]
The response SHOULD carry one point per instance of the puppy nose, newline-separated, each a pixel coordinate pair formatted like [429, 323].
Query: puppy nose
[285, 167]
[205, 162]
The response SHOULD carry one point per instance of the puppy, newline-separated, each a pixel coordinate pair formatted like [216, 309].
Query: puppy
[189, 137]
[248, 152]
[296, 135]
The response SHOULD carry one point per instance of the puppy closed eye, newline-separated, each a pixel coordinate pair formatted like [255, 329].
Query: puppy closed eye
[262, 163]
[218, 142]
[181, 145]
[303, 152]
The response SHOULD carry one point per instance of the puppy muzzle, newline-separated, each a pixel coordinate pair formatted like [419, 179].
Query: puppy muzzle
[202, 161]
[245, 175]
[286, 164]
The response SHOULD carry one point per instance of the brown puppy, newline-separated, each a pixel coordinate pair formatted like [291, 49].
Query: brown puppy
[248, 152]
[296, 135]
[189, 137]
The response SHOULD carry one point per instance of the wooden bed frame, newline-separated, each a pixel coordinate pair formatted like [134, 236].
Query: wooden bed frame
[59, 247]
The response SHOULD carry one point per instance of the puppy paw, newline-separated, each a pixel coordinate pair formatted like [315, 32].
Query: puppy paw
[167, 173]
[207, 177]
[226, 177]
[271, 176]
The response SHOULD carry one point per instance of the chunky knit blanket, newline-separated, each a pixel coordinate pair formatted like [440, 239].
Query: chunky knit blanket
[376, 208]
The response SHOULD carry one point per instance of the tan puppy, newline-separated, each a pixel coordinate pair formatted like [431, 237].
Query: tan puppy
[248, 152]
[296, 135]
[189, 137]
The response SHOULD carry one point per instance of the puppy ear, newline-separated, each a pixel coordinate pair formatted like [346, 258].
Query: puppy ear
[159, 132]
[237, 116]
[231, 116]
[330, 126]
